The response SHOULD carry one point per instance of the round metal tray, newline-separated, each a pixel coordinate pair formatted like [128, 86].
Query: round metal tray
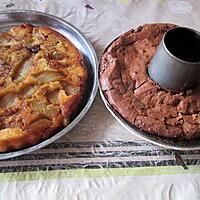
[11, 18]
[176, 144]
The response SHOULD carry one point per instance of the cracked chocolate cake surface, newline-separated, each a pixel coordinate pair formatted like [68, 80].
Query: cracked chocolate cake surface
[128, 88]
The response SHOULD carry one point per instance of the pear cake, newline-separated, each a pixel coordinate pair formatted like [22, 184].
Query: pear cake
[42, 81]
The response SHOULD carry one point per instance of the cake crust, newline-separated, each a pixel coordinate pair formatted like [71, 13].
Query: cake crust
[42, 80]
[127, 86]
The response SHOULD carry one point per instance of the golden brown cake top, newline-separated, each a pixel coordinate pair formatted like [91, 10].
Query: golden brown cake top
[42, 77]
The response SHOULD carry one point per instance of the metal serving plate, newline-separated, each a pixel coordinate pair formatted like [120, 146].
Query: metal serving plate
[11, 18]
[157, 140]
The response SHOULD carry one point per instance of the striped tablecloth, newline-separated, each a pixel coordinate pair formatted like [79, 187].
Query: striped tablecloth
[99, 159]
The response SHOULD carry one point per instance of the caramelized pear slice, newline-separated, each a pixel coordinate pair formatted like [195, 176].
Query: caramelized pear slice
[71, 89]
[29, 90]
[23, 70]
[53, 97]
[49, 76]
[8, 100]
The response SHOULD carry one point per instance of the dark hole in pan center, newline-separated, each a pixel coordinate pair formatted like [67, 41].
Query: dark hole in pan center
[183, 43]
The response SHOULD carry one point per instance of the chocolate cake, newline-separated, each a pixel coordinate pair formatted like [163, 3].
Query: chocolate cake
[127, 86]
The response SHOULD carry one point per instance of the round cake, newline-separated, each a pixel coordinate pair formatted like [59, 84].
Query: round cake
[42, 80]
[130, 91]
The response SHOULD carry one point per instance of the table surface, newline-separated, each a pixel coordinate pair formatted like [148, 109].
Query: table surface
[99, 158]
